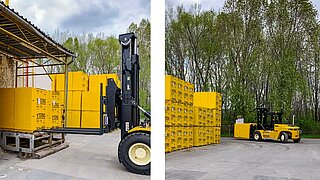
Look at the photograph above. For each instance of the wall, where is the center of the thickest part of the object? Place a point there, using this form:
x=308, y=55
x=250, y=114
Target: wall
x=7, y=72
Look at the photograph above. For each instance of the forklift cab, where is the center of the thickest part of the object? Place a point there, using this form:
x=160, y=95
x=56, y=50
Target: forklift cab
x=269, y=126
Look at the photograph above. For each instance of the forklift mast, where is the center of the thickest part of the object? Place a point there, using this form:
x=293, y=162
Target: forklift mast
x=129, y=115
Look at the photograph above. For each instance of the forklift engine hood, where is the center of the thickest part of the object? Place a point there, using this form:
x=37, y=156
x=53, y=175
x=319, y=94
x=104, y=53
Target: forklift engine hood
x=287, y=126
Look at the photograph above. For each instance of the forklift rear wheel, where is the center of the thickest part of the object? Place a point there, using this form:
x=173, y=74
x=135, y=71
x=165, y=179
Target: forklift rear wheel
x=135, y=153
x=297, y=140
x=284, y=137
x=257, y=136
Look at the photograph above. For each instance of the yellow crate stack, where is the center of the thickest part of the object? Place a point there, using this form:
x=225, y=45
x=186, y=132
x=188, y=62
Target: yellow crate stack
x=207, y=112
x=191, y=118
x=56, y=109
x=178, y=113
x=25, y=109
x=83, y=97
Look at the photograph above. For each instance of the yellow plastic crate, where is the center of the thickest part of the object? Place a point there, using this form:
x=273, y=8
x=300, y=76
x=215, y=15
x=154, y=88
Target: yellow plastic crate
x=168, y=107
x=168, y=113
x=90, y=119
x=180, y=90
x=94, y=83
x=191, y=92
x=74, y=99
x=185, y=92
x=96, y=80
x=171, y=88
x=90, y=100
x=199, y=116
x=77, y=81
x=173, y=138
x=49, y=121
x=167, y=139
x=179, y=120
x=179, y=143
x=208, y=100
x=168, y=120
x=198, y=136
x=217, y=116
x=217, y=135
x=73, y=119
x=24, y=109
x=7, y=107
x=53, y=82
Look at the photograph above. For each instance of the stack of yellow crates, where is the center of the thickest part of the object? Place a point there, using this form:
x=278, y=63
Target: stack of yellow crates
x=179, y=114
x=25, y=109
x=83, y=97
x=77, y=83
x=191, y=119
x=207, y=121
x=56, y=101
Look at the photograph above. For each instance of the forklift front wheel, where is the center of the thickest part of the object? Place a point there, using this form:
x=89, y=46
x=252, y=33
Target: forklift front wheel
x=284, y=137
x=257, y=136
x=135, y=153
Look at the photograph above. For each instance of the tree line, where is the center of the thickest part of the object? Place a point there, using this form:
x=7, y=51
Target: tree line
x=256, y=53
x=101, y=54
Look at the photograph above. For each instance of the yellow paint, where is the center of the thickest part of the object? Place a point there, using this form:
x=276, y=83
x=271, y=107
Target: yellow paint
x=171, y=87
x=138, y=128
x=242, y=130
x=7, y=106
x=208, y=100
x=91, y=101
x=73, y=120
x=90, y=119
x=77, y=81
x=95, y=81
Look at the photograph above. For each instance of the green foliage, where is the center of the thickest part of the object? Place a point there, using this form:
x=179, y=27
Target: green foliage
x=257, y=53
x=308, y=126
x=143, y=33
x=100, y=54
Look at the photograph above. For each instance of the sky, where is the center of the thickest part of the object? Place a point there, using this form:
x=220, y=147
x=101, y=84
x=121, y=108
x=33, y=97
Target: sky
x=111, y=17
x=215, y=4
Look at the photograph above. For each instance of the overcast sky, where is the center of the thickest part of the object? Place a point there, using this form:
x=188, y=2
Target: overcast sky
x=111, y=17
x=215, y=4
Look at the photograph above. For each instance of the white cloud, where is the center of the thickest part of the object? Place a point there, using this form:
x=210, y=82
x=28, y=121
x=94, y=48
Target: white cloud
x=83, y=16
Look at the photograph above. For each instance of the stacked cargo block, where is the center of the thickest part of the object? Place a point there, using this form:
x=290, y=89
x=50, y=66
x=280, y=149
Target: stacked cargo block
x=191, y=119
x=83, y=97
x=207, y=118
x=178, y=114
x=25, y=109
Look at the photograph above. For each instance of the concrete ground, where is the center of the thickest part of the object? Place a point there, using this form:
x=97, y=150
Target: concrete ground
x=247, y=160
x=87, y=157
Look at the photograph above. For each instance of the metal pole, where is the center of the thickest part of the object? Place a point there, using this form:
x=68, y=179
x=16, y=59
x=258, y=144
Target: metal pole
x=66, y=94
x=16, y=78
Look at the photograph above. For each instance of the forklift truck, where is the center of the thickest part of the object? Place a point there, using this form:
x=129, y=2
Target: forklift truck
x=120, y=109
x=268, y=127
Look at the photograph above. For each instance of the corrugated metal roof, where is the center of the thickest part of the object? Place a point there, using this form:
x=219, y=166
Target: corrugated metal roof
x=23, y=40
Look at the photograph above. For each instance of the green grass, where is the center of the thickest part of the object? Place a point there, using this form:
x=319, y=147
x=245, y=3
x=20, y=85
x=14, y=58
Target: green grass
x=226, y=135
x=313, y=136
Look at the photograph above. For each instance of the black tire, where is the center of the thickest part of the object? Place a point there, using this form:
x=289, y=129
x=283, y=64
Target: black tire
x=124, y=148
x=257, y=136
x=284, y=137
x=297, y=140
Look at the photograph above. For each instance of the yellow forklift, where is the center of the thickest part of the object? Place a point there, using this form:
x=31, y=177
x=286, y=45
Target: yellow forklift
x=120, y=109
x=268, y=127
